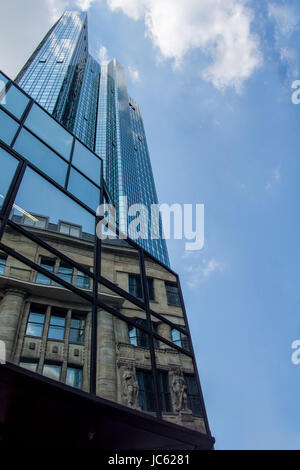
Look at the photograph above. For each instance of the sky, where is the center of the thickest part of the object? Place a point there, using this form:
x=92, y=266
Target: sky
x=214, y=80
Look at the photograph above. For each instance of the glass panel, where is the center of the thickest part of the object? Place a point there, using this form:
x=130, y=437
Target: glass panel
x=8, y=127
x=49, y=131
x=83, y=189
x=170, y=333
x=164, y=291
x=41, y=256
x=15, y=101
x=119, y=303
x=41, y=156
x=3, y=82
x=35, y=324
x=180, y=395
x=124, y=369
x=87, y=162
x=51, y=203
x=8, y=165
x=74, y=377
x=77, y=328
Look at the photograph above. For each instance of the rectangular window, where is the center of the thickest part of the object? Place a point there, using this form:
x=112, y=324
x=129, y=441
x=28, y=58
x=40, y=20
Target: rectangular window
x=163, y=384
x=8, y=165
x=3, y=260
x=138, y=337
x=71, y=230
x=36, y=321
x=74, y=377
x=57, y=324
x=150, y=282
x=77, y=328
x=135, y=285
x=146, y=395
x=193, y=395
x=180, y=339
x=65, y=272
x=172, y=294
x=8, y=128
x=29, y=365
x=15, y=101
x=46, y=263
x=82, y=280
x=53, y=371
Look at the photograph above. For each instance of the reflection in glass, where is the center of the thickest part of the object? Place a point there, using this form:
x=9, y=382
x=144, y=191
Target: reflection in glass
x=52, y=371
x=8, y=128
x=36, y=320
x=74, y=377
x=15, y=101
x=8, y=165
x=29, y=365
x=51, y=202
x=41, y=156
x=49, y=131
x=87, y=162
x=3, y=82
x=146, y=394
x=57, y=326
x=83, y=189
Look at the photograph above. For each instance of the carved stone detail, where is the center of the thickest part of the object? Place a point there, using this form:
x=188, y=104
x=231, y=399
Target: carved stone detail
x=178, y=391
x=129, y=386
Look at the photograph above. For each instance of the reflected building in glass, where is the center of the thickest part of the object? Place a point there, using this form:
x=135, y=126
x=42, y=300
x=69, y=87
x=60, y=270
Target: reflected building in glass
x=98, y=346
x=93, y=103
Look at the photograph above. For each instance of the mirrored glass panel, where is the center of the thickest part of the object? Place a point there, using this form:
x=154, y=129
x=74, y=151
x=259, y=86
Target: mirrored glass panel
x=124, y=372
x=41, y=156
x=15, y=101
x=178, y=387
x=8, y=165
x=46, y=328
x=50, y=131
x=114, y=300
x=170, y=333
x=48, y=260
x=38, y=199
x=3, y=82
x=83, y=189
x=87, y=162
x=8, y=128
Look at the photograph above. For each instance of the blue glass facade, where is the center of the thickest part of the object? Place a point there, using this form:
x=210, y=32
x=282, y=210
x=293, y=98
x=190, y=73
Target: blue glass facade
x=93, y=103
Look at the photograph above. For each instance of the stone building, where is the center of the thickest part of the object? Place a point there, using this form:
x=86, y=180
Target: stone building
x=48, y=329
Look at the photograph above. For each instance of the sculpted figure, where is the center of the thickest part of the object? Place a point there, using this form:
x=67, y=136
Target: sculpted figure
x=129, y=388
x=179, y=391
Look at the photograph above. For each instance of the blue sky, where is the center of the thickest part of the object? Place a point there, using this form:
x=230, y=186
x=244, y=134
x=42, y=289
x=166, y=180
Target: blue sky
x=213, y=79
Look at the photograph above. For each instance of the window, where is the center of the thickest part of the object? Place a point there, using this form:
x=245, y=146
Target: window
x=83, y=189
x=193, y=395
x=46, y=263
x=87, y=162
x=52, y=371
x=36, y=321
x=3, y=259
x=180, y=339
x=57, y=324
x=8, y=128
x=29, y=365
x=45, y=127
x=74, y=377
x=146, y=395
x=163, y=384
x=65, y=272
x=138, y=337
x=8, y=165
x=40, y=222
x=15, y=101
x=77, y=328
x=82, y=280
x=135, y=286
x=71, y=230
x=41, y=156
x=172, y=294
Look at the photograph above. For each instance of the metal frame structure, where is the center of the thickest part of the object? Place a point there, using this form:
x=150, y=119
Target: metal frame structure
x=96, y=274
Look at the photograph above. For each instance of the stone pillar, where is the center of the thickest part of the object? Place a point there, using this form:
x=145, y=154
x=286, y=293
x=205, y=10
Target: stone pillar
x=106, y=363
x=165, y=331
x=11, y=309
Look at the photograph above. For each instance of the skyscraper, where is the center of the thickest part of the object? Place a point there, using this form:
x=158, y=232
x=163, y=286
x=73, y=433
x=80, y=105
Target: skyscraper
x=93, y=103
x=95, y=346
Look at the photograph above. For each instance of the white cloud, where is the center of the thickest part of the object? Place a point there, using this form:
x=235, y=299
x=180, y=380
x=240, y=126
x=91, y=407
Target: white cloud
x=200, y=273
x=285, y=18
x=134, y=74
x=276, y=177
x=84, y=5
x=56, y=8
x=103, y=56
x=220, y=29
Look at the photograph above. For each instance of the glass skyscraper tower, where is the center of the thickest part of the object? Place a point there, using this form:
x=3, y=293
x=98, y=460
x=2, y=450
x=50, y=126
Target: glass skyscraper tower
x=93, y=103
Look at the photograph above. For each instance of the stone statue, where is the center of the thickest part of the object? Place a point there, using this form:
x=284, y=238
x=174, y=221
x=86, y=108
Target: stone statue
x=130, y=387
x=179, y=391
